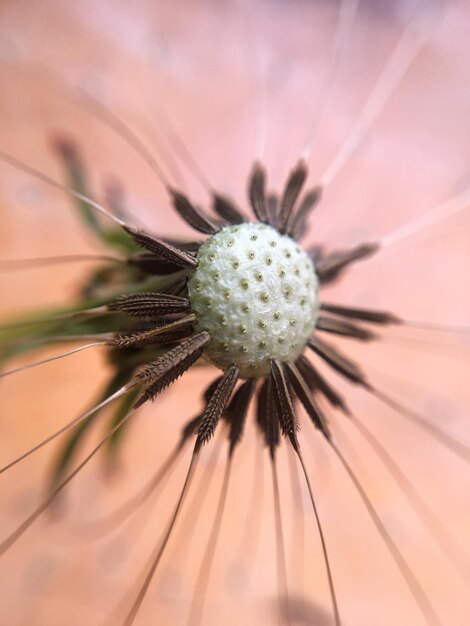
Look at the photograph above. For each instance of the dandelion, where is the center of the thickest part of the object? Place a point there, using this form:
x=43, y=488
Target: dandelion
x=251, y=300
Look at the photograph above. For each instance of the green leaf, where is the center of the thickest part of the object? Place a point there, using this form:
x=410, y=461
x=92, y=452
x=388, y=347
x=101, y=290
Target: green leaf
x=115, y=441
x=36, y=330
x=74, y=441
x=77, y=179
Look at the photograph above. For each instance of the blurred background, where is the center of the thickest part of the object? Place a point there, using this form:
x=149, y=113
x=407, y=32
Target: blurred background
x=216, y=71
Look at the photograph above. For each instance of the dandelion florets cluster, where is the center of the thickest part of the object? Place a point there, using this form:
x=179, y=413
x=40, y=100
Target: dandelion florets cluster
x=255, y=291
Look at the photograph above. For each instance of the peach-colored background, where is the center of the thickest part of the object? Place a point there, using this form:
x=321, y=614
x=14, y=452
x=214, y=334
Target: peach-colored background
x=199, y=63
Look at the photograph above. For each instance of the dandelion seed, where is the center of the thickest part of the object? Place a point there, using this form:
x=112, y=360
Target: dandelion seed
x=252, y=300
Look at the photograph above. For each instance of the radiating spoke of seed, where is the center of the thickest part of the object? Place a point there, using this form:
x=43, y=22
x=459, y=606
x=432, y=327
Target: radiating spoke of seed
x=163, y=250
x=49, y=359
x=191, y=214
x=227, y=209
x=430, y=218
x=77, y=420
x=123, y=130
x=326, y=558
x=338, y=51
x=92, y=312
x=180, y=149
x=454, y=552
x=157, y=375
x=31, y=171
x=257, y=191
x=289, y=427
x=412, y=582
x=338, y=361
x=452, y=443
x=130, y=618
x=281, y=565
x=22, y=528
x=298, y=224
x=301, y=390
x=169, y=370
x=152, y=371
x=293, y=187
x=298, y=515
x=150, y=304
x=167, y=332
x=272, y=209
x=166, y=336
x=283, y=402
x=237, y=410
x=405, y=52
x=209, y=390
x=249, y=541
x=316, y=382
x=365, y=315
x=196, y=508
x=113, y=520
x=344, y=329
x=9, y=265
x=176, y=288
x=216, y=406
x=153, y=264
x=183, y=244
x=328, y=268
x=100, y=527
x=267, y=416
x=199, y=595
x=353, y=373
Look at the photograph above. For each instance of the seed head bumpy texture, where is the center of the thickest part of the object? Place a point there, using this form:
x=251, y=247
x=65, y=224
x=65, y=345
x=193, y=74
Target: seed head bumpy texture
x=256, y=292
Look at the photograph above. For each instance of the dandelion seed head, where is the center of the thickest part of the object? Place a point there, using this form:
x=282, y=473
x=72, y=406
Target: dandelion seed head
x=277, y=282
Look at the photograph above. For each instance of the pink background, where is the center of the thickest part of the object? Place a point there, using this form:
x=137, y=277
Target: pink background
x=199, y=63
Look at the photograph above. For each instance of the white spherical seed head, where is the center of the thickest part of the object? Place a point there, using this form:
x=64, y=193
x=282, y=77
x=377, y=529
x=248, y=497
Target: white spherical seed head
x=256, y=293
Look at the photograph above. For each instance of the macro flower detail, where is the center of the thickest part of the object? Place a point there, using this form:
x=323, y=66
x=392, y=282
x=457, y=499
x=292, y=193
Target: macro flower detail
x=268, y=312
x=255, y=292
x=247, y=299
